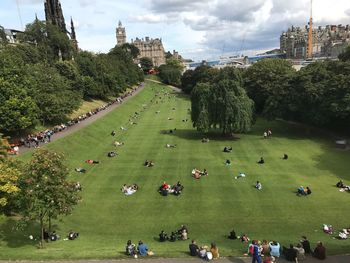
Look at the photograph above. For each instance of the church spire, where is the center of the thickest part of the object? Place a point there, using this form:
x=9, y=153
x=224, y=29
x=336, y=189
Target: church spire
x=54, y=14
x=73, y=36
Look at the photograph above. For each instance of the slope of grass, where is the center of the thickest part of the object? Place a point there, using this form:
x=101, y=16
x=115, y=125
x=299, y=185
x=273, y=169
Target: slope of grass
x=211, y=206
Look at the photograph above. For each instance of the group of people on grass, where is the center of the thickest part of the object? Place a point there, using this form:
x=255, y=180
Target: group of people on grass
x=129, y=190
x=196, y=173
x=204, y=251
x=180, y=234
x=53, y=236
x=272, y=250
x=166, y=189
x=140, y=250
x=343, y=187
x=267, y=134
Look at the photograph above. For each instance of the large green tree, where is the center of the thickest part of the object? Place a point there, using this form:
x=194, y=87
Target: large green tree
x=146, y=64
x=263, y=77
x=45, y=191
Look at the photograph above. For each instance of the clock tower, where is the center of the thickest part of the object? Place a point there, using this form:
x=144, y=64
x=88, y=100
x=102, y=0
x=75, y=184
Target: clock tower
x=121, y=35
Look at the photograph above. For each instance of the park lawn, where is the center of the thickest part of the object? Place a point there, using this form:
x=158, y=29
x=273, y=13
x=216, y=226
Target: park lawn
x=209, y=207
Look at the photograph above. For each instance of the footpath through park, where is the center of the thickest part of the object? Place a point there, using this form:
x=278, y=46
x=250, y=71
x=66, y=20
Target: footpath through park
x=71, y=129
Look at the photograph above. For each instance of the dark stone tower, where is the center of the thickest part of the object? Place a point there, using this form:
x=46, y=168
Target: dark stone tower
x=73, y=36
x=54, y=14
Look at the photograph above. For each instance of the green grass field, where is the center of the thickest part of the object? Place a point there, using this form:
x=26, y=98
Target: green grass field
x=211, y=206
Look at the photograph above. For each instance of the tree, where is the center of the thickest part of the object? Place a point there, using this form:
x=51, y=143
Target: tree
x=146, y=64
x=132, y=49
x=18, y=111
x=3, y=39
x=9, y=176
x=200, y=99
x=46, y=192
x=263, y=77
x=345, y=56
x=202, y=74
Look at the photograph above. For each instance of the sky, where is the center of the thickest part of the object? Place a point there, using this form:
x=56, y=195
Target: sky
x=197, y=29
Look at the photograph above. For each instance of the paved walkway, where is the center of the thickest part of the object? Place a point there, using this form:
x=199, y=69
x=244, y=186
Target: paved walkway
x=71, y=129
x=330, y=259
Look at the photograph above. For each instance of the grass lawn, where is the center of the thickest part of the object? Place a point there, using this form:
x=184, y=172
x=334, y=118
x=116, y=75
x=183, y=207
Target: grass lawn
x=209, y=207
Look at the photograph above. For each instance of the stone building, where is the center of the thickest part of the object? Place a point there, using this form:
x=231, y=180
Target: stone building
x=54, y=16
x=149, y=47
x=328, y=41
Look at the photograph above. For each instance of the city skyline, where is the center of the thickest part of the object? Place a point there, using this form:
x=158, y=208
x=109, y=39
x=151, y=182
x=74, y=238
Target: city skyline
x=198, y=29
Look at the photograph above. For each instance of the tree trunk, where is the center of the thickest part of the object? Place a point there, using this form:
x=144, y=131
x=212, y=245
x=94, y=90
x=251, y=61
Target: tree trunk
x=41, y=243
x=50, y=230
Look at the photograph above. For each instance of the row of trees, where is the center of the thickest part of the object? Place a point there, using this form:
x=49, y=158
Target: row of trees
x=38, y=190
x=43, y=79
x=318, y=94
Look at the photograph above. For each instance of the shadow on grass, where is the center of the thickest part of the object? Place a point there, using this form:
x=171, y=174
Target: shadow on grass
x=14, y=235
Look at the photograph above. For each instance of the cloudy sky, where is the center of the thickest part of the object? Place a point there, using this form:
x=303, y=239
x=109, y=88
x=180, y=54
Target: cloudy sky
x=198, y=29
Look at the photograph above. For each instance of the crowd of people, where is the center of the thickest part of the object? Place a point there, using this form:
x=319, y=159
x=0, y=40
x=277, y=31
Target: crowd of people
x=35, y=139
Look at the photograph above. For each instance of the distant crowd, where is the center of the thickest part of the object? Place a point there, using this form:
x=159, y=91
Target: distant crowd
x=34, y=140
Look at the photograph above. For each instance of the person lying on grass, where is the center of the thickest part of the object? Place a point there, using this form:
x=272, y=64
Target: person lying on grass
x=163, y=236
x=170, y=145
x=262, y=161
x=111, y=154
x=240, y=175
x=129, y=190
x=228, y=149
x=196, y=173
x=149, y=163
x=116, y=143
x=258, y=185
x=92, y=161
x=303, y=191
x=80, y=170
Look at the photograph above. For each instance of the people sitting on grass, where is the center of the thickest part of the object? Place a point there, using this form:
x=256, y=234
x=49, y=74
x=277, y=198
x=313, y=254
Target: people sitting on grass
x=262, y=161
x=285, y=156
x=202, y=253
x=228, y=149
x=303, y=191
x=123, y=128
x=142, y=249
x=92, y=161
x=214, y=250
x=343, y=187
x=129, y=190
x=130, y=249
x=320, y=251
x=149, y=163
x=78, y=187
x=205, y=140
x=170, y=145
x=265, y=248
x=290, y=253
x=258, y=185
x=240, y=175
x=306, y=244
x=275, y=248
x=113, y=133
x=163, y=236
x=54, y=236
x=72, y=235
x=194, y=249
x=232, y=235
x=184, y=235
x=111, y=154
x=344, y=233
x=300, y=252
x=80, y=170
x=328, y=229
x=173, y=237
x=227, y=162
x=116, y=143
x=196, y=173
x=244, y=238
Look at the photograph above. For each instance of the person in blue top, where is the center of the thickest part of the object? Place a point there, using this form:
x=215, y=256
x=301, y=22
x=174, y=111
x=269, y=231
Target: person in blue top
x=256, y=253
x=142, y=249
